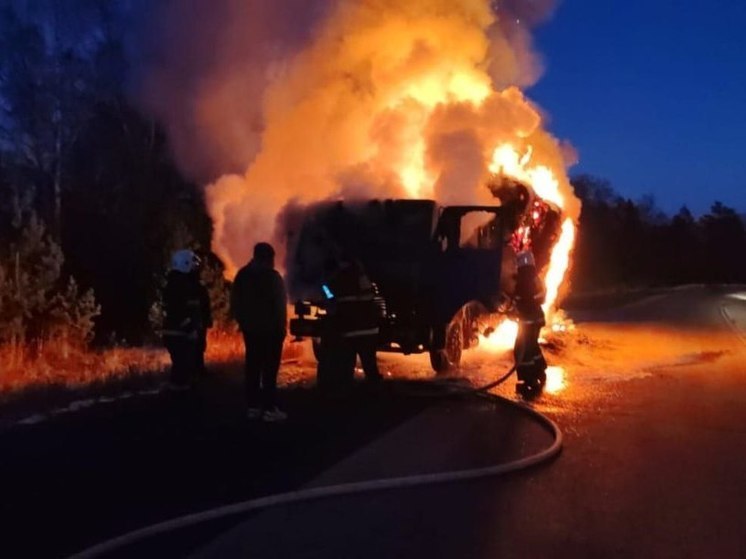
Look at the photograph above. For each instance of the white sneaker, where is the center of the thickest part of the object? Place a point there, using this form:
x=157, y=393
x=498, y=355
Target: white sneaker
x=254, y=413
x=274, y=415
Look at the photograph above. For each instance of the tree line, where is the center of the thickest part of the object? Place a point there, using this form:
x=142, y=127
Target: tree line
x=91, y=201
x=623, y=243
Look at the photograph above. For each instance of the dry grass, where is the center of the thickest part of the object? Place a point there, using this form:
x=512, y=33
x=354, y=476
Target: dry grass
x=57, y=364
x=227, y=347
x=223, y=347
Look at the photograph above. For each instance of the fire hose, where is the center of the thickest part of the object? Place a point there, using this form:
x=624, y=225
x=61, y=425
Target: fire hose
x=355, y=488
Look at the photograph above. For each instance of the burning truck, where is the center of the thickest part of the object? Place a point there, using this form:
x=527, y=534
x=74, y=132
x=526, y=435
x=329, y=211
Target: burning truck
x=443, y=274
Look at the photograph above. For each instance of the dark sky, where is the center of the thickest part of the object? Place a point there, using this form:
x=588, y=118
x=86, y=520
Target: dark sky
x=653, y=95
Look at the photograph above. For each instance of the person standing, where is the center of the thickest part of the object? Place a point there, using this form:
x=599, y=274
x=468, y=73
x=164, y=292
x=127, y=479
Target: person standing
x=187, y=318
x=529, y=296
x=353, y=319
x=259, y=305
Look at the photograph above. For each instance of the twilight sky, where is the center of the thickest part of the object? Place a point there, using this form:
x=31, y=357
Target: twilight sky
x=652, y=93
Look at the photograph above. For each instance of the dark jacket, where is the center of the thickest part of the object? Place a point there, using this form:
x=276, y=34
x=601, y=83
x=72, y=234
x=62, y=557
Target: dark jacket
x=259, y=300
x=186, y=305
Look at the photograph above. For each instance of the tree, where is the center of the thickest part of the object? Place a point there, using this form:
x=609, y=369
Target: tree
x=38, y=304
x=724, y=244
x=684, y=252
x=129, y=192
x=595, y=191
x=47, y=81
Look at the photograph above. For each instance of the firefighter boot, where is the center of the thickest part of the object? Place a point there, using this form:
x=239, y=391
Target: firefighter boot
x=531, y=379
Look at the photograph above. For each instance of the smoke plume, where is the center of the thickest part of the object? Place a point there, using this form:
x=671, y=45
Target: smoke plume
x=296, y=101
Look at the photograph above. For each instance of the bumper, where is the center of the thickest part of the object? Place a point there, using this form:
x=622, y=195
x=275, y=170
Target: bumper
x=305, y=328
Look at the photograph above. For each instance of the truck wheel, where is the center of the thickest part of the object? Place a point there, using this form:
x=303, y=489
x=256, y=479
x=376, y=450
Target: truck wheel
x=449, y=358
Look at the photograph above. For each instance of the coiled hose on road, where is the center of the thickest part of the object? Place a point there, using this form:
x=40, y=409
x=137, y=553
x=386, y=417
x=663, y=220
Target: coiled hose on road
x=316, y=493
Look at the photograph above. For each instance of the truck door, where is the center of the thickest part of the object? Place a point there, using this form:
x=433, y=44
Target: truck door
x=468, y=262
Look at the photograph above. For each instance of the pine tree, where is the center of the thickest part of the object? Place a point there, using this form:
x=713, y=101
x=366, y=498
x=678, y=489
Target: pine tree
x=37, y=304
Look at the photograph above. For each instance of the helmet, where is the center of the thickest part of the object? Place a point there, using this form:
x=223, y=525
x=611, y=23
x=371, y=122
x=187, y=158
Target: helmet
x=184, y=261
x=525, y=258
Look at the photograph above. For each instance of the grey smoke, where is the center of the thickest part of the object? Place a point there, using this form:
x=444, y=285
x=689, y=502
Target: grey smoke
x=201, y=68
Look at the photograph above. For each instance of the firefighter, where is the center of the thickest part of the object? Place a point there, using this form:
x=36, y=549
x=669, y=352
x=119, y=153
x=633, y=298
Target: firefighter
x=529, y=296
x=352, y=325
x=187, y=318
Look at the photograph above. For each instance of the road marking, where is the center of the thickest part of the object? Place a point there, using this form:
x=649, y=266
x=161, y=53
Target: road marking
x=60, y=411
x=81, y=404
x=33, y=419
x=85, y=403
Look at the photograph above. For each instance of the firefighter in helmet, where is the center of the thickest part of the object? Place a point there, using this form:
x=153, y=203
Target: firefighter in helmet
x=187, y=318
x=529, y=296
x=352, y=325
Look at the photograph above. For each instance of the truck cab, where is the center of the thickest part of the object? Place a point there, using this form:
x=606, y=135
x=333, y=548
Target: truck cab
x=437, y=269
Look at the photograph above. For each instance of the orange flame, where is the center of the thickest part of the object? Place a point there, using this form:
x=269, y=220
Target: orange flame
x=555, y=380
x=507, y=161
x=502, y=339
x=558, y=265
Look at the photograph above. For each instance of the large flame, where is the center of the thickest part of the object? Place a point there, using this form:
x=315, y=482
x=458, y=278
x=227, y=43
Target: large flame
x=329, y=99
x=398, y=99
x=393, y=99
x=388, y=98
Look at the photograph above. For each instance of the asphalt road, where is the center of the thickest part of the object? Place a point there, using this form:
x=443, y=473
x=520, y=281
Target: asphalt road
x=78, y=478
x=94, y=472
x=653, y=464
x=652, y=467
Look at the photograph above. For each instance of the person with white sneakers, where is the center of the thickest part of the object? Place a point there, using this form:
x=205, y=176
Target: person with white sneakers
x=259, y=305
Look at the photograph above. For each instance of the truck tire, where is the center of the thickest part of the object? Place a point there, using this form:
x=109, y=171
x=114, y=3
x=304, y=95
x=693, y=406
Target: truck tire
x=470, y=327
x=449, y=358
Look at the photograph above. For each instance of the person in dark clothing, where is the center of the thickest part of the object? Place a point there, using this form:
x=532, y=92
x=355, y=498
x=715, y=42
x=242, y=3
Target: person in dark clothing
x=529, y=296
x=187, y=318
x=352, y=326
x=259, y=305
